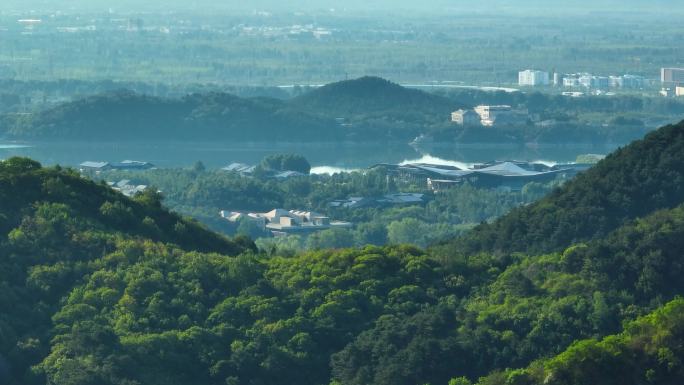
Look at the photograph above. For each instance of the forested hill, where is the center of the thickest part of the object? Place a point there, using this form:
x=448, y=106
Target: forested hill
x=126, y=116
x=371, y=95
x=145, y=313
x=632, y=182
x=370, y=108
x=27, y=188
x=94, y=292
x=647, y=352
x=54, y=227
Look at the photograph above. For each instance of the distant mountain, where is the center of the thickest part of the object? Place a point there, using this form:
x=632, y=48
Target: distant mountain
x=376, y=107
x=125, y=115
x=369, y=107
x=371, y=95
x=632, y=182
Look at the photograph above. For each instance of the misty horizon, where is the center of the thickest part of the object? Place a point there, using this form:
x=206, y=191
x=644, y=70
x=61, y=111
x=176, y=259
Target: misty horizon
x=430, y=6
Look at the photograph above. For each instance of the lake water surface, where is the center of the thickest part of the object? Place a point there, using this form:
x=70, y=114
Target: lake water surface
x=324, y=157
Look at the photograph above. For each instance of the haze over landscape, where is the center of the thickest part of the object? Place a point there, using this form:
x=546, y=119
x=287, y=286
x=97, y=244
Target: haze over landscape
x=432, y=6
x=438, y=192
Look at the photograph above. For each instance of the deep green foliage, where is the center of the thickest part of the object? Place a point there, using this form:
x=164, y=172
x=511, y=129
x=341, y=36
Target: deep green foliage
x=91, y=298
x=649, y=351
x=25, y=186
x=643, y=177
x=285, y=162
x=53, y=224
x=146, y=313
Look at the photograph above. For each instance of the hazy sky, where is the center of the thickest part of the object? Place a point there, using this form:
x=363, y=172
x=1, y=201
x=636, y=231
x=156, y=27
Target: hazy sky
x=358, y=5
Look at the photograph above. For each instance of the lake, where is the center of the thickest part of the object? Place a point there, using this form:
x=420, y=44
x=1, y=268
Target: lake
x=324, y=157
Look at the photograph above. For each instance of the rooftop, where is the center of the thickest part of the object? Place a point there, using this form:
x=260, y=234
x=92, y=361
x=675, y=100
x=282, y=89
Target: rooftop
x=91, y=164
x=239, y=167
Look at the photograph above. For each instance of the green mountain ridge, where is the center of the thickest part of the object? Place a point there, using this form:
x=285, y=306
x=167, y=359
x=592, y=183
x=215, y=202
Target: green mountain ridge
x=367, y=108
x=376, y=108
x=647, y=352
x=128, y=116
x=377, y=95
x=25, y=185
x=640, y=178
x=101, y=289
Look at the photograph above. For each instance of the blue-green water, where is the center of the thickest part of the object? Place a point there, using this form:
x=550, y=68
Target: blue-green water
x=327, y=156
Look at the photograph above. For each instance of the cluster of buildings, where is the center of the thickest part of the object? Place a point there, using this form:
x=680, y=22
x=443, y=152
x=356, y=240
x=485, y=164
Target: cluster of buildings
x=282, y=222
x=535, y=78
x=589, y=81
x=90, y=166
x=672, y=80
x=296, y=31
x=488, y=116
x=507, y=175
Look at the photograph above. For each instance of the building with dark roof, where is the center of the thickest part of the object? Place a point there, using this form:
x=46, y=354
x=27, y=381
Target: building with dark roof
x=491, y=175
x=132, y=165
x=94, y=166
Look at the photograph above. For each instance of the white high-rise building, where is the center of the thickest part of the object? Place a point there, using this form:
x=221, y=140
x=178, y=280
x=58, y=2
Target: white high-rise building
x=532, y=78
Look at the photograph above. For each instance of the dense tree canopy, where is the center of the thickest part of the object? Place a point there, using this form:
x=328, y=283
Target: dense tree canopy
x=368, y=108
x=285, y=162
x=101, y=289
x=645, y=176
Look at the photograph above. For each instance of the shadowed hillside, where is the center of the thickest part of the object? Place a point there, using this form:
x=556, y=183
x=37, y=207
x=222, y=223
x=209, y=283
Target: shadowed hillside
x=634, y=181
x=370, y=108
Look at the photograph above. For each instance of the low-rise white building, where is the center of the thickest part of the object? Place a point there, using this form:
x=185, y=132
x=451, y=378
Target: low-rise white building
x=679, y=91
x=589, y=81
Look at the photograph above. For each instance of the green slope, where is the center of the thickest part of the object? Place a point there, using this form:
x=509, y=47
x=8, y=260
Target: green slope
x=128, y=116
x=374, y=108
x=150, y=314
x=100, y=289
x=649, y=351
x=371, y=107
x=25, y=187
x=53, y=225
x=371, y=95
x=640, y=178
